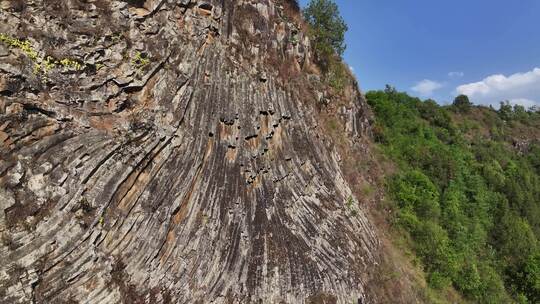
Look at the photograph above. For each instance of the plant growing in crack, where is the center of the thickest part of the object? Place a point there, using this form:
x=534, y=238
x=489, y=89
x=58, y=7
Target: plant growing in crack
x=116, y=37
x=140, y=60
x=48, y=64
x=42, y=65
x=71, y=64
x=350, y=205
x=25, y=46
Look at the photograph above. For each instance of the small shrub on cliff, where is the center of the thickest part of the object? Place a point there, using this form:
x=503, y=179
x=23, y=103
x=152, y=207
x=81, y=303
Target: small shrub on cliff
x=140, y=61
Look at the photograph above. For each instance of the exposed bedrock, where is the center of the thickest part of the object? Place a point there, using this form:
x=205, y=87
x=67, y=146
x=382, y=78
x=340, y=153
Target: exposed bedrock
x=167, y=152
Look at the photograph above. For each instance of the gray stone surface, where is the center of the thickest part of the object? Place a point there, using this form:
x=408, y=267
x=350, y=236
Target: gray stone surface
x=182, y=163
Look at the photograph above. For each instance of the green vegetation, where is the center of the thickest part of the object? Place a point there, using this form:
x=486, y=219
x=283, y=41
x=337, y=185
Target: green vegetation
x=469, y=201
x=327, y=26
x=327, y=29
x=44, y=64
x=462, y=103
x=350, y=205
x=24, y=46
x=70, y=64
x=140, y=60
x=41, y=64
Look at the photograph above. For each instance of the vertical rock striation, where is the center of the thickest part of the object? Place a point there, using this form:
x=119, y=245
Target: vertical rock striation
x=167, y=151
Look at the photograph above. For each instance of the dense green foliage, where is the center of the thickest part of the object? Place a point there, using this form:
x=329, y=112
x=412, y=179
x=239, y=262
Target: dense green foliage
x=327, y=26
x=467, y=197
x=462, y=103
x=327, y=30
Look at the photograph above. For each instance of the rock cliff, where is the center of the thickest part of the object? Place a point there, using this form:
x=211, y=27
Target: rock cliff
x=166, y=151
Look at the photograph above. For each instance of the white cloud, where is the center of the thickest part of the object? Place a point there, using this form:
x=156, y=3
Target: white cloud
x=527, y=103
x=426, y=87
x=519, y=88
x=456, y=74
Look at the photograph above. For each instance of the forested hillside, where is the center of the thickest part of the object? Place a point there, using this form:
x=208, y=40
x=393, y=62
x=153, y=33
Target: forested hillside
x=466, y=192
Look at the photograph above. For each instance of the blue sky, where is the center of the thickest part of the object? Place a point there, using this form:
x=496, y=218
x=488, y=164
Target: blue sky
x=489, y=49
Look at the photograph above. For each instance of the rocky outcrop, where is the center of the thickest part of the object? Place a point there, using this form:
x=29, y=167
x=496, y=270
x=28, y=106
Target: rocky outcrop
x=169, y=152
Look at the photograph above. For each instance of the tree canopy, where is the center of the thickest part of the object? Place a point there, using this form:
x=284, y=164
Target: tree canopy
x=462, y=103
x=327, y=27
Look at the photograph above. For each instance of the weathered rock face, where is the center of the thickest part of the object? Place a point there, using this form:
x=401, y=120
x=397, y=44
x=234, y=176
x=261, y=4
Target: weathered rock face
x=169, y=152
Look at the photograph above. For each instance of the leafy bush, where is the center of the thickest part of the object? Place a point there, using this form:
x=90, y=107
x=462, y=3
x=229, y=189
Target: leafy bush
x=415, y=191
x=337, y=76
x=462, y=103
x=506, y=111
x=530, y=285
